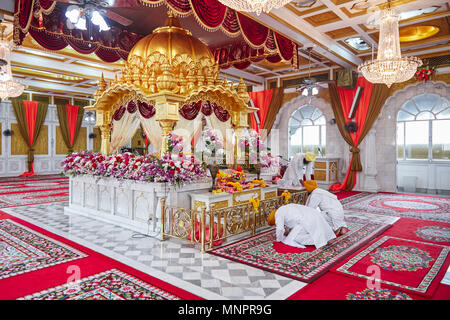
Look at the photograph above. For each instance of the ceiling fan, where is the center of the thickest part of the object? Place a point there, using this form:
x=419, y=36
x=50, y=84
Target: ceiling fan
x=310, y=86
x=79, y=12
x=304, y=3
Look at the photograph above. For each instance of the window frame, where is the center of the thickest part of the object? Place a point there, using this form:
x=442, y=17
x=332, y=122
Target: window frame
x=301, y=127
x=430, y=158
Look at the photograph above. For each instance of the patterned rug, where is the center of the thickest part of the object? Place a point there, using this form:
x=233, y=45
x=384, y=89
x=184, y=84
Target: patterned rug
x=109, y=285
x=34, y=197
x=434, y=208
x=262, y=251
x=32, y=178
x=38, y=265
x=421, y=230
x=24, y=250
x=333, y=286
x=17, y=187
x=405, y=265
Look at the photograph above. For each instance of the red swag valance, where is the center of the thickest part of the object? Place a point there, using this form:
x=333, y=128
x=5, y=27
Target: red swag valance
x=43, y=20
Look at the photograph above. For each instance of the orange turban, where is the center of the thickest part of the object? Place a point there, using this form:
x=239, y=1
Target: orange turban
x=271, y=218
x=310, y=185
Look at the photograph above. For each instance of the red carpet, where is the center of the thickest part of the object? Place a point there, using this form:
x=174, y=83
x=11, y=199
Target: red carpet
x=262, y=251
x=421, y=230
x=425, y=207
x=34, y=261
x=406, y=265
x=345, y=194
x=30, y=178
x=332, y=286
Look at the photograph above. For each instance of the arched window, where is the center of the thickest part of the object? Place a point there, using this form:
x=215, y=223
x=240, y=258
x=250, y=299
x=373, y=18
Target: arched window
x=307, y=131
x=423, y=129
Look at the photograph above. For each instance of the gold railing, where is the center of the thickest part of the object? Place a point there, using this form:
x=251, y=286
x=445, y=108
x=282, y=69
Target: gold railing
x=195, y=225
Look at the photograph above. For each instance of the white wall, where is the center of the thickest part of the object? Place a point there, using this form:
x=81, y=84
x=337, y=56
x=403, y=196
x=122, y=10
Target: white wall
x=13, y=165
x=433, y=176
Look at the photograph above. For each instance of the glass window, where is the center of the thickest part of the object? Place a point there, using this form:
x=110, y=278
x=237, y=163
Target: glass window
x=307, y=131
x=423, y=129
x=416, y=139
x=441, y=139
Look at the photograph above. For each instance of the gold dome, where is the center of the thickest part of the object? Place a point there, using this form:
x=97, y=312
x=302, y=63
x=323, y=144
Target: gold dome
x=171, y=40
x=170, y=59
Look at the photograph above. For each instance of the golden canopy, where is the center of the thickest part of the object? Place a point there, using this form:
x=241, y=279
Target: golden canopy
x=168, y=69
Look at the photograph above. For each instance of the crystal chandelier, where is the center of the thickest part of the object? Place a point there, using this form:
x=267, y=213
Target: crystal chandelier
x=8, y=87
x=389, y=67
x=254, y=5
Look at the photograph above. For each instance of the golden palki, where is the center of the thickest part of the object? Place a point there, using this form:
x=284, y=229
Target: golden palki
x=389, y=67
x=168, y=69
x=254, y=5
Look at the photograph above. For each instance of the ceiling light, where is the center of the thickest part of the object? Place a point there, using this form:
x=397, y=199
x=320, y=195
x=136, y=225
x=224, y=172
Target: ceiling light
x=357, y=43
x=8, y=87
x=389, y=67
x=254, y=5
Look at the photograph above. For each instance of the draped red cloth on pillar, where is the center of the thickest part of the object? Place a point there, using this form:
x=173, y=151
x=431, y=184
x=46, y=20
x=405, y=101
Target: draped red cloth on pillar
x=72, y=118
x=30, y=115
x=346, y=99
x=261, y=100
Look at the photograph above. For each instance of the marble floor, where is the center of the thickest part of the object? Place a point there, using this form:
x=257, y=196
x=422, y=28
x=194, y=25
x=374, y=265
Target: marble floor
x=180, y=264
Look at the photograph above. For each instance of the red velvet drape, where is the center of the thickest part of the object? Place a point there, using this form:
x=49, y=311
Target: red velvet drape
x=30, y=116
x=346, y=99
x=261, y=100
x=72, y=118
x=30, y=113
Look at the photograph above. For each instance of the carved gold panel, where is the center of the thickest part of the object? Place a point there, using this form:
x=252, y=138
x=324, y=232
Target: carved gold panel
x=198, y=205
x=320, y=175
x=320, y=165
x=270, y=195
x=243, y=193
x=220, y=204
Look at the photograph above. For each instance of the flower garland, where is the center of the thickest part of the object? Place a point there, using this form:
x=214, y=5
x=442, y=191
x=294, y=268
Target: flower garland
x=425, y=73
x=173, y=169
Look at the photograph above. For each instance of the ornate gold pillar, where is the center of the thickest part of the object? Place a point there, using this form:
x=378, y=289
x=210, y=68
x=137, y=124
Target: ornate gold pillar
x=167, y=105
x=103, y=122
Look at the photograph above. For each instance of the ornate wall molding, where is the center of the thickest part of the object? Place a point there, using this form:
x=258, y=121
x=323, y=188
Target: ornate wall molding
x=335, y=145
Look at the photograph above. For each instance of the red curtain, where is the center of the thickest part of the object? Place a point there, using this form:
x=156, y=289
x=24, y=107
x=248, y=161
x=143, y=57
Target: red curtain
x=261, y=100
x=72, y=118
x=346, y=99
x=30, y=114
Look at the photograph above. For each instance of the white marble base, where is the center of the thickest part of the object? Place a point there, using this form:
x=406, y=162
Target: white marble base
x=130, y=204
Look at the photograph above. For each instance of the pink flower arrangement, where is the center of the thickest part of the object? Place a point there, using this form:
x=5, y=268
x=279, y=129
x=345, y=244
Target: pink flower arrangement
x=174, y=169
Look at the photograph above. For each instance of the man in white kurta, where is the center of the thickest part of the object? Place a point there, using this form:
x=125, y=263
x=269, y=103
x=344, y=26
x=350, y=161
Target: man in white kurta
x=294, y=171
x=328, y=204
x=305, y=226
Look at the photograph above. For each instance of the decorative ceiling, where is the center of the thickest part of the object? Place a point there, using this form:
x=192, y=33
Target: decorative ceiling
x=341, y=36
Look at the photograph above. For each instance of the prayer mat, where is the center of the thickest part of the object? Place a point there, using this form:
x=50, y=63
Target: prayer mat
x=421, y=230
x=16, y=187
x=30, y=178
x=25, y=250
x=262, y=251
x=406, y=265
x=434, y=208
x=34, y=197
x=333, y=286
x=37, y=264
x=109, y=285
